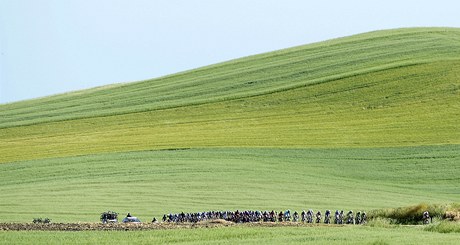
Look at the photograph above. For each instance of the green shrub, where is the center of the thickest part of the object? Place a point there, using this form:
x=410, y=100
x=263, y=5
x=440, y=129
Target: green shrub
x=409, y=215
x=41, y=221
x=453, y=212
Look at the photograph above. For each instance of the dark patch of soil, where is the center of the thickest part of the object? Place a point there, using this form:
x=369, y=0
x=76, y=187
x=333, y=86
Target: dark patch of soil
x=140, y=226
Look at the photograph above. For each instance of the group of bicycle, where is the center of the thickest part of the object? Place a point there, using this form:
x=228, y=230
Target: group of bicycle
x=257, y=216
x=268, y=216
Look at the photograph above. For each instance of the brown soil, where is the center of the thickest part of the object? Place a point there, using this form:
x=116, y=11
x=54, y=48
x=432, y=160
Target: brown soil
x=136, y=227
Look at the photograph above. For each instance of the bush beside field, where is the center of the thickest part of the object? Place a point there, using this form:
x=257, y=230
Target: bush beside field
x=413, y=214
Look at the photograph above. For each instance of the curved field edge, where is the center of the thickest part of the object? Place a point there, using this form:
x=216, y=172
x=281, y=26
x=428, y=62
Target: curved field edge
x=235, y=235
x=405, y=106
x=153, y=183
x=251, y=76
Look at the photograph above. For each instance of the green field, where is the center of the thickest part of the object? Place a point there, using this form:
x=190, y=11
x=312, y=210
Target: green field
x=238, y=235
x=389, y=88
x=157, y=182
x=362, y=122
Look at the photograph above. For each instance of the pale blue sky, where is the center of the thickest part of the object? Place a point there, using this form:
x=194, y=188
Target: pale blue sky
x=56, y=46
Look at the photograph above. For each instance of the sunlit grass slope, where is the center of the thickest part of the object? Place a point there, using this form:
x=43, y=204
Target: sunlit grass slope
x=280, y=70
x=386, y=88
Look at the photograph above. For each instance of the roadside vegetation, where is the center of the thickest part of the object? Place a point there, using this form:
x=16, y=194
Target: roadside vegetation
x=411, y=215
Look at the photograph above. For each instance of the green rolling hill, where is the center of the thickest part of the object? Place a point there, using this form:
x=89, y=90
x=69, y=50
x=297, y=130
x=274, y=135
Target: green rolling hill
x=387, y=88
x=365, y=121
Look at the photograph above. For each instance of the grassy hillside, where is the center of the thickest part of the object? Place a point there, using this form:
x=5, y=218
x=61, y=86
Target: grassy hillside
x=362, y=122
x=249, y=76
x=387, y=88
